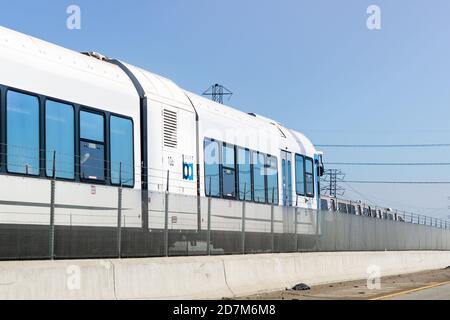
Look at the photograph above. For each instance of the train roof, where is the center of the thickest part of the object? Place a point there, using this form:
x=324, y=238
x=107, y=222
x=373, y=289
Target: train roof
x=100, y=83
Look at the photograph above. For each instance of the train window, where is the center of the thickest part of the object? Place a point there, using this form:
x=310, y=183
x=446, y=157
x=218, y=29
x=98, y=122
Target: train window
x=289, y=183
x=272, y=179
x=228, y=171
x=299, y=175
x=245, y=180
x=366, y=211
x=122, y=166
x=259, y=185
x=342, y=207
x=91, y=126
x=22, y=121
x=351, y=209
x=92, y=146
x=323, y=205
x=309, y=177
x=212, y=168
x=59, y=139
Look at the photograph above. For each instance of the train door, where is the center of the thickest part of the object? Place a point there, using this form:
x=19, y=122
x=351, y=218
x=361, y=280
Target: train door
x=286, y=178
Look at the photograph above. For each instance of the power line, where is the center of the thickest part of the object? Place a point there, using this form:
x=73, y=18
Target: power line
x=395, y=182
x=408, y=205
x=389, y=163
x=425, y=145
x=360, y=194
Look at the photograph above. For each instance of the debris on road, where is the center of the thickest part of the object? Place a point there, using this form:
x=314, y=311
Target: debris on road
x=301, y=287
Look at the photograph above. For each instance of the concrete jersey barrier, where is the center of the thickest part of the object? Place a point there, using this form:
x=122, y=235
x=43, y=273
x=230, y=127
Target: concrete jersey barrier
x=212, y=277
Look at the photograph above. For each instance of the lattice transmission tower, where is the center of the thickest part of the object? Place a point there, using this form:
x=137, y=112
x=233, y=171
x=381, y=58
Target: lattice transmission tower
x=216, y=92
x=329, y=184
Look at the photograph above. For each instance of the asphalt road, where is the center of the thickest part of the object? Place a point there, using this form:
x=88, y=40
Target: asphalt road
x=436, y=292
x=426, y=285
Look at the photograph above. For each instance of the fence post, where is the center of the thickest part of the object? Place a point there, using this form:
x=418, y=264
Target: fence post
x=296, y=222
x=119, y=214
x=296, y=228
x=243, y=222
x=208, y=232
x=272, y=233
x=52, y=209
x=166, y=218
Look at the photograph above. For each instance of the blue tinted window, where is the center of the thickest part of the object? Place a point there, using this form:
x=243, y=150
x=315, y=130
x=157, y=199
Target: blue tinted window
x=22, y=112
x=92, y=161
x=92, y=152
x=283, y=170
x=259, y=187
x=228, y=172
x=244, y=171
x=228, y=156
x=59, y=139
x=229, y=183
x=289, y=178
x=299, y=174
x=309, y=177
x=212, y=169
x=122, y=151
x=272, y=179
x=91, y=126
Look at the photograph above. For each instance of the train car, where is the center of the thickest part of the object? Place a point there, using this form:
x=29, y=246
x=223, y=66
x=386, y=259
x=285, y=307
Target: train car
x=358, y=208
x=341, y=205
x=76, y=126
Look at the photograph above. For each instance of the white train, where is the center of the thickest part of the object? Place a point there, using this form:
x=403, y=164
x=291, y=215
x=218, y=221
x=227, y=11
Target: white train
x=359, y=208
x=95, y=123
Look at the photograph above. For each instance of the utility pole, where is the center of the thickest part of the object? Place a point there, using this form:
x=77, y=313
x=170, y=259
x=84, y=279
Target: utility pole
x=330, y=181
x=217, y=92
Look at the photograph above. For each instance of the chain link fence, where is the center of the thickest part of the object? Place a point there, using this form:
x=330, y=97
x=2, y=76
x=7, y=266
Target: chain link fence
x=109, y=224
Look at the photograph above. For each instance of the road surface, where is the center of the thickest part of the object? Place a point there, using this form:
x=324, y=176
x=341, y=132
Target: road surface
x=439, y=291
x=428, y=285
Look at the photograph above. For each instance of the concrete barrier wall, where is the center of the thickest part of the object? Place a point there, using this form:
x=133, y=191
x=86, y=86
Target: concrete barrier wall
x=171, y=278
x=201, y=277
x=47, y=280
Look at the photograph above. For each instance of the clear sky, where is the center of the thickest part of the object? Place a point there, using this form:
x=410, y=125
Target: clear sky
x=313, y=65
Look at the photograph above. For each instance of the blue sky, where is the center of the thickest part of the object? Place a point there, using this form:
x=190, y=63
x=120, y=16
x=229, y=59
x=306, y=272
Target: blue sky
x=312, y=65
